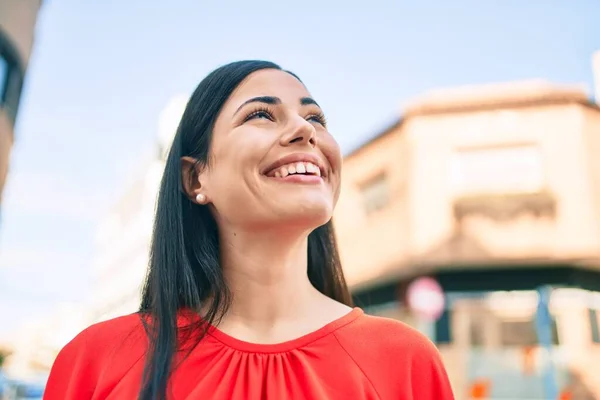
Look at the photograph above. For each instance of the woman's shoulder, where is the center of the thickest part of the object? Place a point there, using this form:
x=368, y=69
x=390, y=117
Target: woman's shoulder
x=387, y=335
x=113, y=345
x=108, y=334
x=393, y=354
x=96, y=343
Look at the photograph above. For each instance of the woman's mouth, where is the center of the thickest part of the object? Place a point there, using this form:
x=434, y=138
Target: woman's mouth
x=297, y=172
x=306, y=168
x=296, y=168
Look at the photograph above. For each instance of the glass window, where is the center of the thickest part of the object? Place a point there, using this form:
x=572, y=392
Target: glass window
x=518, y=333
x=12, y=95
x=523, y=333
x=595, y=323
x=442, y=328
x=3, y=77
x=511, y=332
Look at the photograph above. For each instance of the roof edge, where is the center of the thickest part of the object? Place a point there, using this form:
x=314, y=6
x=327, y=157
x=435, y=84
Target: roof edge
x=395, y=124
x=474, y=98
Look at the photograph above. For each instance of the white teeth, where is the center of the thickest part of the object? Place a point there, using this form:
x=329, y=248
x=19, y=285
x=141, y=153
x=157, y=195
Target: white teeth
x=313, y=169
x=297, y=168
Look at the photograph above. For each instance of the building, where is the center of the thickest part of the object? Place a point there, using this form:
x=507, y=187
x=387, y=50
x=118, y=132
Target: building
x=35, y=345
x=122, y=244
x=123, y=237
x=17, y=25
x=494, y=191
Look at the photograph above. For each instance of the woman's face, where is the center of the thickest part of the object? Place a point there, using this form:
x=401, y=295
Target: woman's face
x=272, y=159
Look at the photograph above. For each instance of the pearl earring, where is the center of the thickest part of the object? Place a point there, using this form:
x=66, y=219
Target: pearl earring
x=200, y=198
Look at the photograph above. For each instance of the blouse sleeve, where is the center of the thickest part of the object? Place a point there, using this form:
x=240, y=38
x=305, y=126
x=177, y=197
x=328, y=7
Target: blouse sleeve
x=430, y=380
x=71, y=376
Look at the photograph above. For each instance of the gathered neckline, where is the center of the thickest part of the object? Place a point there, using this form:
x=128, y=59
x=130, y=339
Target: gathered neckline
x=250, y=347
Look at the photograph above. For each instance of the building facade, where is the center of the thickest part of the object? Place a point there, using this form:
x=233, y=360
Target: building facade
x=123, y=237
x=494, y=191
x=122, y=245
x=504, y=175
x=17, y=26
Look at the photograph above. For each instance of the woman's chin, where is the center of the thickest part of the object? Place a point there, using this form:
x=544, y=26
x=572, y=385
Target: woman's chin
x=305, y=216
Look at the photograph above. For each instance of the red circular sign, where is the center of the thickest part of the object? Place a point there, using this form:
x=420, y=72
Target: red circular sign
x=426, y=298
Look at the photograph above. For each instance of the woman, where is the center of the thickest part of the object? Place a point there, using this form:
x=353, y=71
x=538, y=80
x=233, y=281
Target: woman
x=245, y=296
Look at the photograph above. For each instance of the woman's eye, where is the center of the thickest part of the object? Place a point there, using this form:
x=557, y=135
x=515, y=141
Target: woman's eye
x=319, y=119
x=260, y=115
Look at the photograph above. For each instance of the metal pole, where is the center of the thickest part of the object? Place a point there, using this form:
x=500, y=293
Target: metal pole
x=544, y=334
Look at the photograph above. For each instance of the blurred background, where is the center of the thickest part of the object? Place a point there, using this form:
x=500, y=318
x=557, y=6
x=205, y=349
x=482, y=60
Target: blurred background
x=471, y=197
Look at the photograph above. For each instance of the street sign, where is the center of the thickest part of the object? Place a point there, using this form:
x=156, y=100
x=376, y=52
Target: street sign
x=426, y=298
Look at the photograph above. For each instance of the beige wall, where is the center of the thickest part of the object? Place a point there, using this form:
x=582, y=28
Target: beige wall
x=384, y=233
x=17, y=23
x=432, y=165
x=557, y=131
x=591, y=142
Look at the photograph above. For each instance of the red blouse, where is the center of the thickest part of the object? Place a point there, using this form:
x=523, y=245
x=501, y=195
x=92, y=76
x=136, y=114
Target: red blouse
x=356, y=357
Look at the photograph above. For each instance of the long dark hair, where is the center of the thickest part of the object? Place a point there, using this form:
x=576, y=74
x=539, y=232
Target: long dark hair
x=184, y=270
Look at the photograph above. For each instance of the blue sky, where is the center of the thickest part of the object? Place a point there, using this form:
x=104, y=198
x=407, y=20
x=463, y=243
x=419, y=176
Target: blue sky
x=102, y=71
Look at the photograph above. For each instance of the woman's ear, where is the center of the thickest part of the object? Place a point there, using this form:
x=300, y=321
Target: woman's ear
x=191, y=184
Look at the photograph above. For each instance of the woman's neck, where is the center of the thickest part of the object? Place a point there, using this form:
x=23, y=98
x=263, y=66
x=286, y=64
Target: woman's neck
x=273, y=299
x=267, y=275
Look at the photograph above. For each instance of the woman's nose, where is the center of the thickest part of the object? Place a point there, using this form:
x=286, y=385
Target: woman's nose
x=302, y=132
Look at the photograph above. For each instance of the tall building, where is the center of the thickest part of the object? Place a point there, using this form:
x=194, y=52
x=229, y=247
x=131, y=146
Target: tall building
x=123, y=237
x=17, y=26
x=493, y=192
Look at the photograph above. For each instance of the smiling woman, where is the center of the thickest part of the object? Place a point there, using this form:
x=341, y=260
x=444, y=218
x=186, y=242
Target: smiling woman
x=245, y=296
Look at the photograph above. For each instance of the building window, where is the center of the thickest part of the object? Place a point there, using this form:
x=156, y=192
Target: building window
x=476, y=332
x=3, y=76
x=504, y=169
x=11, y=78
x=443, y=334
x=595, y=325
x=513, y=332
x=518, y=333
x=375, y=193
x=12, y=93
